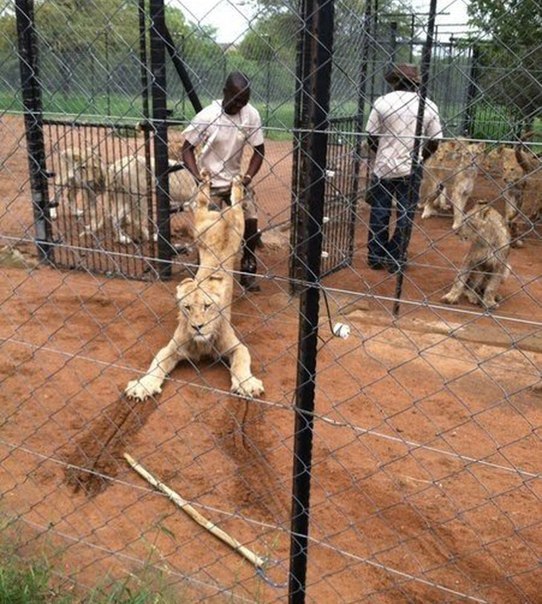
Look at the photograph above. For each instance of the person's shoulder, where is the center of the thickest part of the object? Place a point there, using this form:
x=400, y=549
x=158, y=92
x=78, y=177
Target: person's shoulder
x=251, y=110
x=432, y=105
x=387, y=100
x=213, y=108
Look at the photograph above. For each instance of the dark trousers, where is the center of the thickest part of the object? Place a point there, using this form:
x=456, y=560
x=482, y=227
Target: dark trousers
x=382, y=191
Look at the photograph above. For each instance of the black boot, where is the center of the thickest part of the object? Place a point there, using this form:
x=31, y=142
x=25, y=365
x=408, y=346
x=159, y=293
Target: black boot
x=248, y=261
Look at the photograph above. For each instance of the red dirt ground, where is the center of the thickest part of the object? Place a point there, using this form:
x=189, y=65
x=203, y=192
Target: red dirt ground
x=426, y=474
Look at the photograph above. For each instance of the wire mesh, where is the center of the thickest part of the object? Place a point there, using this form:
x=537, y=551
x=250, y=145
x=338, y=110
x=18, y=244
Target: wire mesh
x=425, y=466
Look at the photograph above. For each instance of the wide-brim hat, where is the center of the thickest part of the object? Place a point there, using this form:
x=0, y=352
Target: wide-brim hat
x=403, y=71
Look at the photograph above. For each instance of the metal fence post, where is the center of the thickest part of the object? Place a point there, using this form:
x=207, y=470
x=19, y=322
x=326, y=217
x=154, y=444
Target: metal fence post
x=159, y=117
x=318, y=16
x=33, y=119
x=414, y=179
x=472, y=92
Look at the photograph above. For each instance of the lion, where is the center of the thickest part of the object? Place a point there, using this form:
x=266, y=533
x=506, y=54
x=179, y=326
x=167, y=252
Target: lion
x=449, y=178
x=204, y=330
x=218, y=234
x=529, y=205
x=128, y=194
x=486, y=264
x=81, y=170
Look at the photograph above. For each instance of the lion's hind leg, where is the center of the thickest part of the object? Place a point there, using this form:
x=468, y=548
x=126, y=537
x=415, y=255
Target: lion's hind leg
x=237, y=191
x=460, y=285
x=476, y=285
x=203, y=197
x=490, y=298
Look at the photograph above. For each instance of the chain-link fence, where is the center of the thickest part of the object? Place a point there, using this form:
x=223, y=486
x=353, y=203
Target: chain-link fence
x=337, y=401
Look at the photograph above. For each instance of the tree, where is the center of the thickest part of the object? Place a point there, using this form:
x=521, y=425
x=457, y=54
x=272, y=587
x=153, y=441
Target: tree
x=512, y=57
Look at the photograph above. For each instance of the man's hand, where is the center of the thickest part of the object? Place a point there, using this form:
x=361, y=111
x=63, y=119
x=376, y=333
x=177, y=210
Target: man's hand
x=247, y=180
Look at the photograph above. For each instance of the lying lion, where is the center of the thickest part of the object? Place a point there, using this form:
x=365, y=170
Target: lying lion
x=81, y=170
x=204, y=328
x=485, y=266
x=126, y=199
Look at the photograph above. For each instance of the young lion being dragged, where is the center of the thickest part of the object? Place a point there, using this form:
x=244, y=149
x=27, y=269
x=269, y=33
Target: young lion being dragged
x=218, y=234
x=204, y=328
x=485, y=266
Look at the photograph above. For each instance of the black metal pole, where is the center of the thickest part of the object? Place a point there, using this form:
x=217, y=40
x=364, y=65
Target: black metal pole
x=33, y=120
x=472, y=92
x=107, y=72
x=393, y=41
x=360, y=119
x=144, y=67
x=178, y=63
x=301, y=107
x=414, y=183
x=364, y=61
x=319, y=15
x=159, y=118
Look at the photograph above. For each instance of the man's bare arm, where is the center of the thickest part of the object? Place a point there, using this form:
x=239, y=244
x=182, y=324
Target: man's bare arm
x=254, y=164
x=188, y=157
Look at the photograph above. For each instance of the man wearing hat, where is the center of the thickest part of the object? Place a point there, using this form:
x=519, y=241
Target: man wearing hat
x=391, y=128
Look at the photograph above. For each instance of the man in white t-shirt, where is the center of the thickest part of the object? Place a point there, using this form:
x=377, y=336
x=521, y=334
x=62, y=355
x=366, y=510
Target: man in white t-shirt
x=221, y=131
x=392, y=128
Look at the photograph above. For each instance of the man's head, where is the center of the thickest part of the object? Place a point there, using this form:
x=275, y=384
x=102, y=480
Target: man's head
x=403, y=77
x=236, y=93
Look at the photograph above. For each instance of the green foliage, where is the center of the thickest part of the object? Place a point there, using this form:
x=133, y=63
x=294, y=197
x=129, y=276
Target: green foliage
x=24, y=583
x=508, y=21
x=511, y=60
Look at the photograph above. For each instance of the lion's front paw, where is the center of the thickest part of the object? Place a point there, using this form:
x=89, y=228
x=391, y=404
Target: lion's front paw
x=449, y=299
x=472, y=297
x=249, y=388
x=142, y=389
x=490, y=302
x=123, y=239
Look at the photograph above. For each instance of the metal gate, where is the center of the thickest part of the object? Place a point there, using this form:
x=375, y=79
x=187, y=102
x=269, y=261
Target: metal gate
x=100, y=190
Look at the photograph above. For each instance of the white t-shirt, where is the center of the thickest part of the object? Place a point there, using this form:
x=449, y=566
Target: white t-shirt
x=393, y=118
x=222, y=138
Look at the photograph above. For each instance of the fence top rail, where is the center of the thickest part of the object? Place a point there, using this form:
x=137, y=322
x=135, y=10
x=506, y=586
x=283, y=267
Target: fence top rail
x=90, y=124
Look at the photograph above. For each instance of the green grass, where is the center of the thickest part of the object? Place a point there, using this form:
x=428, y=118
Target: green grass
x=491, y=122
x=30, y=578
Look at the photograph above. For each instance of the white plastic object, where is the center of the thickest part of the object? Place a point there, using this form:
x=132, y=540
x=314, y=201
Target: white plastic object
x=341, y=330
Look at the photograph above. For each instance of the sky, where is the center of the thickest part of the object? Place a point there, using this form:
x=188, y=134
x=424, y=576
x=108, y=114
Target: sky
x=231, y=18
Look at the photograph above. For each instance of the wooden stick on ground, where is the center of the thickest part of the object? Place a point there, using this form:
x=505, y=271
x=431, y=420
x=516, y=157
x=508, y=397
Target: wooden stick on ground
x=194, y=514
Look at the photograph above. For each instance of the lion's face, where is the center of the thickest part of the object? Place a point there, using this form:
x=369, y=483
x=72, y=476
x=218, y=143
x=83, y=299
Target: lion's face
x=201, y=309
x=510, y=169
x=473, y=223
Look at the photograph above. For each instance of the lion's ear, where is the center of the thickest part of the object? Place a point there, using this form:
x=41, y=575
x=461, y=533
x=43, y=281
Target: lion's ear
x=184, y=287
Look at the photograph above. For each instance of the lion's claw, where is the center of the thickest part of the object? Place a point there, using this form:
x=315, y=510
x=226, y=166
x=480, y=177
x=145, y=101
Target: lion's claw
x=140, y=390
x=248, y=388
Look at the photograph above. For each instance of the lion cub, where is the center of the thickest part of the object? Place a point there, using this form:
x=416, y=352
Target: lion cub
x=485, y=266
x=449, y=178
x=529, y=205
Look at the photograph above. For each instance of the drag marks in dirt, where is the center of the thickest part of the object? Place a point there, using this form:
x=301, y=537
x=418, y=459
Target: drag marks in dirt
x=98, y=454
